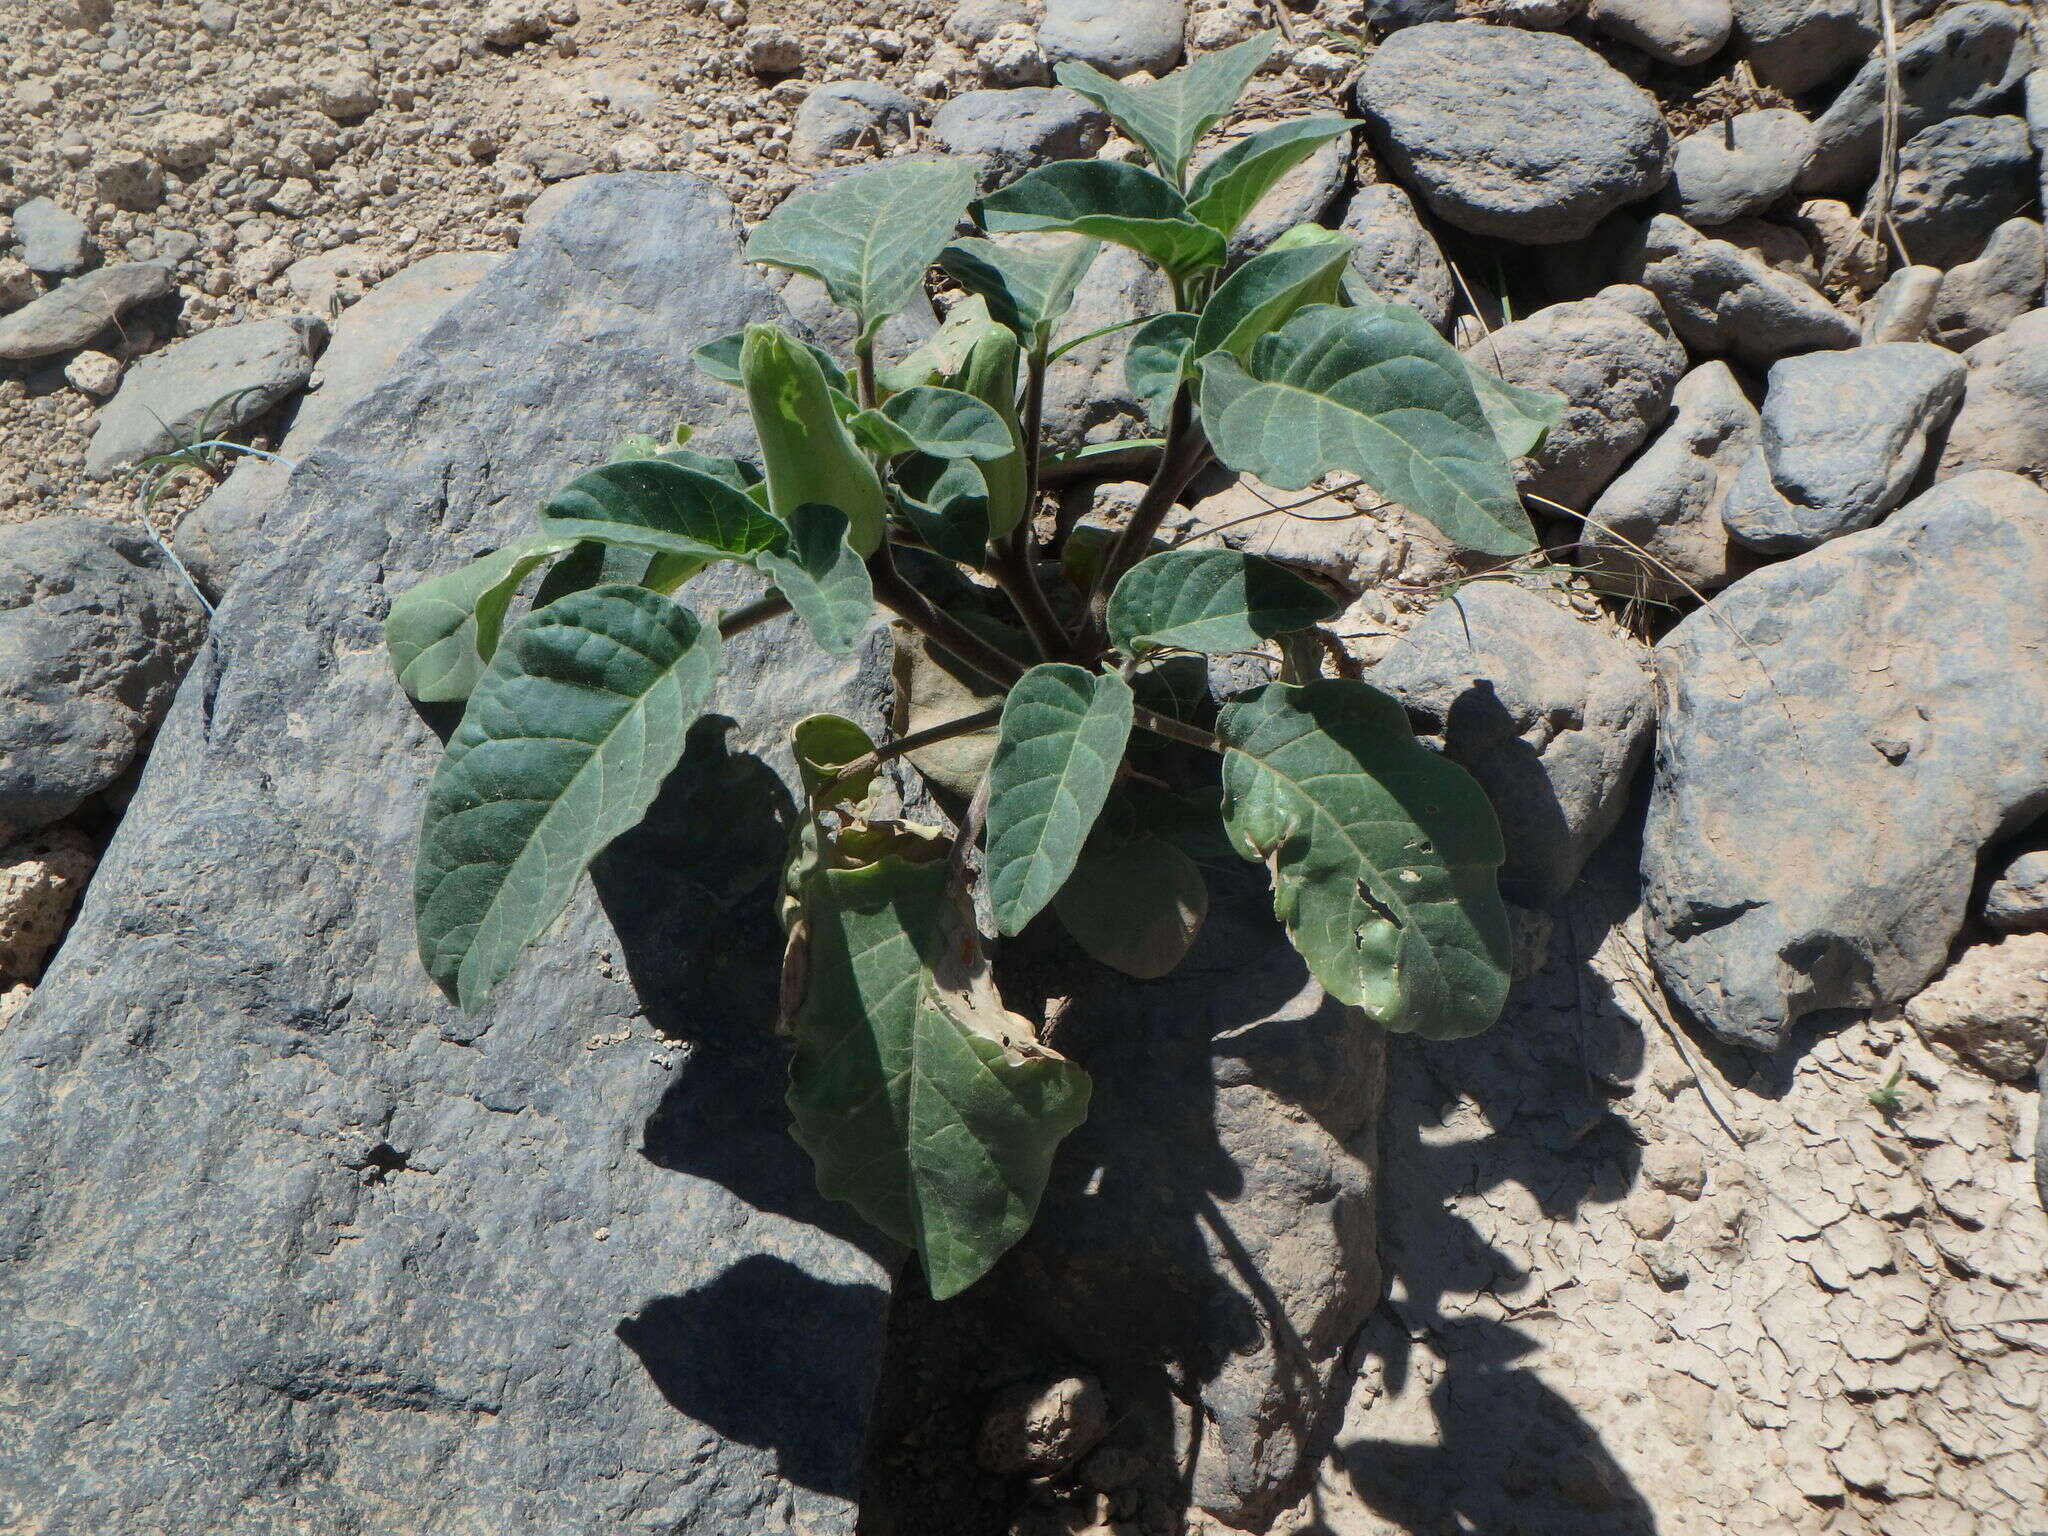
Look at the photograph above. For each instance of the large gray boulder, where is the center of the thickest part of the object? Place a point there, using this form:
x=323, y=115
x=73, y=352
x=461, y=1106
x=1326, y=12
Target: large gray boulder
x=1527, y=136
x=1732, y=169
x=1682, y=32
x=1724, y=298
x=1548, y=711
x=1840, y=737
x=1119, y=37
x=72, y=313
x=1011, y=132
x=289, y=1243
x=96, y=630
x=1957, y=182
x=54, y=241
x=2003, y=422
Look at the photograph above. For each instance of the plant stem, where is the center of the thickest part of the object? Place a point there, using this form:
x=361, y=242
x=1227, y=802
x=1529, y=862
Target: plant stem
x=1175, y=730
x=911, y=605
x=1184, y=453
x=1015, y=566
x=931, y=735
x=864, y=357
x=745, y=617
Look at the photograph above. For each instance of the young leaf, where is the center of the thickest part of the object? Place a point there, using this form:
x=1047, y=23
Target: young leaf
x=1211, y=600
x=1259, y=296
x=923, y=1102
x=1358, y=390
x=1108, y=200
x=442, y=632
x=947, y=502
x=1167, y=116
x=1063, y=736
x=825, y=581
x=869, y=236
x=944, y=353
x=1230, y=186
x=1027, y=288
x=825, y=745
x=697, y=513
x=990, y=376
x=1382, y=853
x=945, y=423
x=1157, y=360
x=1134, y=904
x=579, y=718
x=805, y=447
x=720, y=358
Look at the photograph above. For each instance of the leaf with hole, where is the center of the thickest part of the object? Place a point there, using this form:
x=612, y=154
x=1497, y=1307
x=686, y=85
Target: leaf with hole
x=1388, y=401
x=1230, y=186
x=580, y=716
x=1382, y=853
x=1062, y=739
x=441, y=633
x=1259, y=296
x=1211, y=600
x=825, y=581
x=1107, y=200
x=1028, y=287
x=1167, y=116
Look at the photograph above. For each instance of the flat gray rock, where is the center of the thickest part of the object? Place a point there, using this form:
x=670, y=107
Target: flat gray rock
x=1724, y=298
x=293, y=1244
x=2017, y=901
x=1838, y=741
x=842, y=114
x=1011, y=132
x=1972, y=56
x=225, y=531
x=53, y=239
x=96, y=629
x=1957, y=182
x=1396, y=256
x=1739, y=167
x=1657, y=530
x=1551, y=713
x=2003, y=422
x=1614, y=360
x=217, y=380
x=1119, y=37
x=1681, y=32
x=1527, y=136
x=1980, y=298
x=72, y=313
x=1844, y=436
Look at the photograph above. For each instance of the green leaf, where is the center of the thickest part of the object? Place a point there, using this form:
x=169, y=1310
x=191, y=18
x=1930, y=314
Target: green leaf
x=923, y=1102
x=826, y=745
x=599, y=563
x=1259, y=296
x=720, y=358
x=1107, y=200
x=825, y=581
x=946, y=501
x=1168, y=115
x=1211, y=600
x=740, y=474
x=1230, y=186
x=1382, y=853
x=1062, y=739
x=564, y=745
x=655, y=504
x=1135, y=904
x=869, y=237
x=943, y=354
x=805, y=448
x=1027, y=288
x=442, y=632
x=945, y=423
x=1157, y=361
x=1389, y=401
x=1520, y=418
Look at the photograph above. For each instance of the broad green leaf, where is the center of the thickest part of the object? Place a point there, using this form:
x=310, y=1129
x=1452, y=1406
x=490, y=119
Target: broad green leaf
x=1167, y=116
x=1027, y=288
x=443, y=631
x=600, y=563
x=941, y=355
x=720, y=358
x=1259, y=296
x=1107, y=200
x=1062, y=739
x=923, y=1102
x=639, y=445
x=1157, y=361
x=946, y=501
x=1135, y=904
x=1230, y=186
x=945, y=423
x=1382, y=853
x=868, y=237
x=990, y=376
x=566, y=740
x=805, y=448
x=1212, y=600
x=636, y=500
x=1520, y=418
x=740, y=474
x=1389, y=401
x=826, y=745
x=825, y=581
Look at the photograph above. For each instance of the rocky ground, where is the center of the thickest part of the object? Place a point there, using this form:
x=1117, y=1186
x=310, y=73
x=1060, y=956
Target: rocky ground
x=1732, y=1225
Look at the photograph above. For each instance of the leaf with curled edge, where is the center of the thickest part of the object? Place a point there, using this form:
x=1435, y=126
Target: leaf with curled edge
x=441, y=633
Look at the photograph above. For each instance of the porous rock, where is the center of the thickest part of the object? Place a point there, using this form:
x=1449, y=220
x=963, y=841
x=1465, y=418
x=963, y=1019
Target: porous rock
x=1837, y=741
x=557, y=1265
x=1614, y=360
x=220, y=379
x=1396, y=256
x=1119, y=37
x=96, y=629
x=1739, y=166
x=842, y=114
x=2003, y=422
x=1682, y=32
x=1657, y=530
x=1980, y=298
x=1957, y=182
x=41, y=879
x=71, y=314
x=1990, y=1009
x=53, y=240
x=1528, y=136
x=2017, y=900
x=1844, y=436
x=1550, y=712
x=1011, y=132
x=1724, y=299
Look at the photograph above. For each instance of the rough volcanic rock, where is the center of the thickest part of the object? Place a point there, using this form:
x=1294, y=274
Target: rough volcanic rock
x=1991, y=1007
x=1549, y=712
x=96, y=629
x=1396, y=256
x=1011, y=132
x=293, y=1244
x=1957, y=182
x=71, y=314
x=2003, y=423
x=1798, y=44
x=41, y=879
x=1527, y=136
x=1723, y=298
x=1838, y=740
x=1086, y=399
x=1732, y=169
x=53, y=240
x=1980, y=298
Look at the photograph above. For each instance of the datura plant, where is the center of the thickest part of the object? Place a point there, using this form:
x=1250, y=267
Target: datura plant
x=1086, y=771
